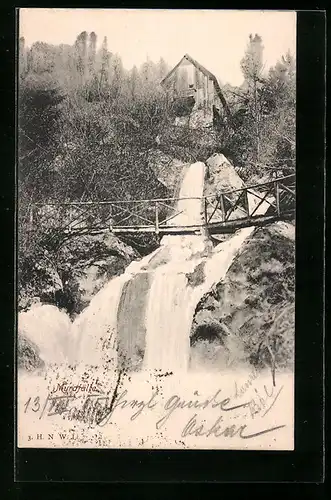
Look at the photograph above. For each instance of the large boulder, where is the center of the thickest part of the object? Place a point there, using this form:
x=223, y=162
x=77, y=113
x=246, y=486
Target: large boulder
x=221, y=175
x=93, y=277
x=28, y=355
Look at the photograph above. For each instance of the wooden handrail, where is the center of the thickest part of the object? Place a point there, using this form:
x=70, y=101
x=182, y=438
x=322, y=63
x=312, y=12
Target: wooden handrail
x=153, y=200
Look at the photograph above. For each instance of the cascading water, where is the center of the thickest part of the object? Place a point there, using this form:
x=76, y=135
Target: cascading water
x=172, y=299
x=167, y=315
x=143, y=317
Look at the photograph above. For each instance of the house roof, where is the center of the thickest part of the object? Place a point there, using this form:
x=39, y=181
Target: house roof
x=196, y=64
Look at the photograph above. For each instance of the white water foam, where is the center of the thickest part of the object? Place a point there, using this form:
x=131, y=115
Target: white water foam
x=49, y=329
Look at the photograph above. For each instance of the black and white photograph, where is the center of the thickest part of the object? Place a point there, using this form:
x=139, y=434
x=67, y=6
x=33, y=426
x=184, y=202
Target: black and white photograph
x=156, y=174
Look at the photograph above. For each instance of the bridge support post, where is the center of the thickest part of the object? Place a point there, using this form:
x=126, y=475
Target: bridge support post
x=222, y=207
x=205, y=230
x=246, y=204
x=205, y=211
x=157, y=230
x=277, y=198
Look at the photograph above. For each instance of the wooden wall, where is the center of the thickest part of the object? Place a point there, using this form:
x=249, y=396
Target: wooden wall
x=186, y=81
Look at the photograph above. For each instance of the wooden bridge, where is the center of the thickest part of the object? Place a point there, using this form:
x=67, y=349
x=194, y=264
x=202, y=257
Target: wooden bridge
x=223, y=212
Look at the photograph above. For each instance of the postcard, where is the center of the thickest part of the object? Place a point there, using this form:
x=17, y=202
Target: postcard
x=156, y=229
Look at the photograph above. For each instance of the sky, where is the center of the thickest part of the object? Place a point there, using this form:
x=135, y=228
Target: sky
x=215, y=38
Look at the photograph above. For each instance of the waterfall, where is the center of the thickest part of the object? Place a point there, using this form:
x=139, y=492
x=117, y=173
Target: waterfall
x=168, y=313
x=143, y=318
x=172, y=300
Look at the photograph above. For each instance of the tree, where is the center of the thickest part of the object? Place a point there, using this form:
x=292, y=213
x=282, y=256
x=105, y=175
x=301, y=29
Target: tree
x=252, y=62
x=92, y=49
x=38, y=123
x=105, y=57
x=252, y=66
x=280, y=99
x=148, y=75
x=78, y=144
x=81, y=55
x=262, y=136
x=134, y=83
x=42, y=58
x=117, y=76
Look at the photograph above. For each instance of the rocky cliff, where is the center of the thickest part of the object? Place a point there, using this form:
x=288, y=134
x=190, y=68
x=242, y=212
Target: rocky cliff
x=249, y=318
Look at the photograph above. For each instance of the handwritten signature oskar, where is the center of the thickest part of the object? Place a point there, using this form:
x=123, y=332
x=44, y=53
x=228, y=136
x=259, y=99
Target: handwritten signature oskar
x=263, y=402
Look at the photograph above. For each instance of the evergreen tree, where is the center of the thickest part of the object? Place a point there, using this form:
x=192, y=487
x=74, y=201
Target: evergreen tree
x=117, y=73
x=105, y=68
x=252, y=66
x=134, y=83
x=252, y=62
x=92, y=49
x=280, y=96
x=81, y=55
x=147, y=73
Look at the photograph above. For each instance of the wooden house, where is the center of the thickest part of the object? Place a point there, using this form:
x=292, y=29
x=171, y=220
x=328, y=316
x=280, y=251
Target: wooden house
x=196, y=94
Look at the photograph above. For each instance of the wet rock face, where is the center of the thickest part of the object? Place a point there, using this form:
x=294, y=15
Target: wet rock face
x=197, y=277
x=207, y=329
x=253, y=303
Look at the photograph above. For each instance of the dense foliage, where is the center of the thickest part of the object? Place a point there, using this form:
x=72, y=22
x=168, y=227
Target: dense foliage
x=263, y=110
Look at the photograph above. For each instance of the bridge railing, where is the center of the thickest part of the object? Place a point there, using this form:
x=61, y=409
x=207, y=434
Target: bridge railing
x=159, y=215
x=117, y=215
x=244, y=203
